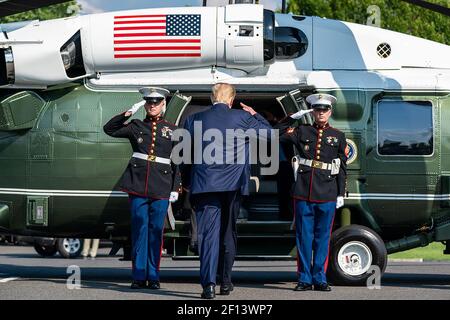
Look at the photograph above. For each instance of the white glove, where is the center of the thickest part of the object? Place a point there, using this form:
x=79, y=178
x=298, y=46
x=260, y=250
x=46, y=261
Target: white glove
x=300, y=114
x=173, y=196
x=339, y=202
x=136, y=107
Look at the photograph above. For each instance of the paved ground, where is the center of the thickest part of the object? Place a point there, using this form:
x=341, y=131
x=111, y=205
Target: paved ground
x=25, y=275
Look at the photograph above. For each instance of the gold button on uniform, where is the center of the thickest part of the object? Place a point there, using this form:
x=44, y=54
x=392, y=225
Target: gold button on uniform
x=318, y=151
x=318, y=157
x=319, y=145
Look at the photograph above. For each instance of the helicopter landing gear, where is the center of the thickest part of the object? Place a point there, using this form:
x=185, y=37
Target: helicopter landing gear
x=354, y=251
x=69, y=247
x=45, y=250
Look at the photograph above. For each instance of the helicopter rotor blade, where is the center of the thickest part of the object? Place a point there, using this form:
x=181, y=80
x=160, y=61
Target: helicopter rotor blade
x=430, y=6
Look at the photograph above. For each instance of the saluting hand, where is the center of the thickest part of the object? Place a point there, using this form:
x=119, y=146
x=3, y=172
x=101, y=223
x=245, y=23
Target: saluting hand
x=134, y=108
x=300, y=114
x=248, y=109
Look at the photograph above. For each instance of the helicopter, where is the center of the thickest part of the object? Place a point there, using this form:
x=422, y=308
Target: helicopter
x=62, y=80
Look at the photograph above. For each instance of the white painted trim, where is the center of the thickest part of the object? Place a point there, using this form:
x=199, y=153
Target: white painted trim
x=394, y=196
x=120, y=194
x=64, y=193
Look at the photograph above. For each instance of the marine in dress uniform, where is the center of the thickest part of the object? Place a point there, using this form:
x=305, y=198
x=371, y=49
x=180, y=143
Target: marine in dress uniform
x=319, y=188
x=216, y=190
x=151, y=181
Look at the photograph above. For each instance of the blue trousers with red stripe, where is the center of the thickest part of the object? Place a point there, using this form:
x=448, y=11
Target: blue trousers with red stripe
x=313, y=222
x=147, y=226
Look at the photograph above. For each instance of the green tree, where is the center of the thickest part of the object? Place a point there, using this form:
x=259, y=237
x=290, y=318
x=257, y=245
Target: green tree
x=396, y=15
x=51, y=12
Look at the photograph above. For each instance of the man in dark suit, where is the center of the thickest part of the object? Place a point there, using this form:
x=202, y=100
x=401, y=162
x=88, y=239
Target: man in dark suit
x=217, y=186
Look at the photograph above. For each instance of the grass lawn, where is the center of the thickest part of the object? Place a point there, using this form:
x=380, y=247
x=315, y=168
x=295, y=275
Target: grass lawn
x=431, y=252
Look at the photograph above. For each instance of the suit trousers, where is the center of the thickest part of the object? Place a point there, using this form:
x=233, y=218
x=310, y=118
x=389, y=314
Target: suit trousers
x=216, y=214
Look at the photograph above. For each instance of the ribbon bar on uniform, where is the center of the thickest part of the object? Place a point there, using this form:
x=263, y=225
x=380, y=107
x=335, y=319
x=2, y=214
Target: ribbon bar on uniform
x=152, y=158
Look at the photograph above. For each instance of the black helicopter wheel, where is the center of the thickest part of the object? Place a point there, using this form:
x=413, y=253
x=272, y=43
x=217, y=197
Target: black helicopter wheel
x=45, y=251
x=356, y=252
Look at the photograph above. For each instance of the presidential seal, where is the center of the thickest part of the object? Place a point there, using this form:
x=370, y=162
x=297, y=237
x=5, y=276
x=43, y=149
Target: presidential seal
x=351, y=151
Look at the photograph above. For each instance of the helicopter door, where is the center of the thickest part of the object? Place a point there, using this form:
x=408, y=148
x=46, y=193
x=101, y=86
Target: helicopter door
x=270, y=200
x=402, y=159
x=175, y=107
x=292, y=102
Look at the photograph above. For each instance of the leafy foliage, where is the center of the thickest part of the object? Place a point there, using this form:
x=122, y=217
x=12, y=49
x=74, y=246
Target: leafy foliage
x=396, y=15
x=51, y=12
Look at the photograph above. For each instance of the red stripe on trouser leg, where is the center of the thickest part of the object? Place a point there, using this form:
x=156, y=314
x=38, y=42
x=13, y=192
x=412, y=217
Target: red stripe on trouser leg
x=162, y=244
x=161, y=249
x=329, y=240
x=295, y=226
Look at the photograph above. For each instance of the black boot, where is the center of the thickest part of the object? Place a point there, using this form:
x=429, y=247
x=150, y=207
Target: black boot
x=153, y=284
x=301, y=286
x=225, y=289
x=209, y=292
x=138, y=284
x=322, y=287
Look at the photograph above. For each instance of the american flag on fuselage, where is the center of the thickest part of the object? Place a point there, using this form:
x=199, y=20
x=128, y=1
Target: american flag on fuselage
x=157, y=36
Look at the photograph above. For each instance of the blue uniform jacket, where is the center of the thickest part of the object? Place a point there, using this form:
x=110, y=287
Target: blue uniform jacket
x=219, y=177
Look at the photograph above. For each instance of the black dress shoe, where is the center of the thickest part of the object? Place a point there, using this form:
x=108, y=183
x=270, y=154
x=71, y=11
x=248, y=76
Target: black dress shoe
x=154, y=285
x=322, y=287
x=225, y=289
x=138, y=284
x=301, y=286
x=209, y=292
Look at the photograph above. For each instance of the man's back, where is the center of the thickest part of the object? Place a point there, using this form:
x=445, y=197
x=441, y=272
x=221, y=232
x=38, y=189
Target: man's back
x=228, y=169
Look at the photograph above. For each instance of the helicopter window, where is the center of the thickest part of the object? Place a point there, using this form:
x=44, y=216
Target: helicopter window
x=405, y=128
x=269, y=37
x=290, y=43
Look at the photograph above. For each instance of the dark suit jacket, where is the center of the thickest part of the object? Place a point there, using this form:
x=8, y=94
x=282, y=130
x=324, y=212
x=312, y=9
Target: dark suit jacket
x=219, y=177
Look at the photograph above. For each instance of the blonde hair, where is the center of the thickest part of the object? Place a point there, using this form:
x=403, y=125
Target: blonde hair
x=222, y=92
